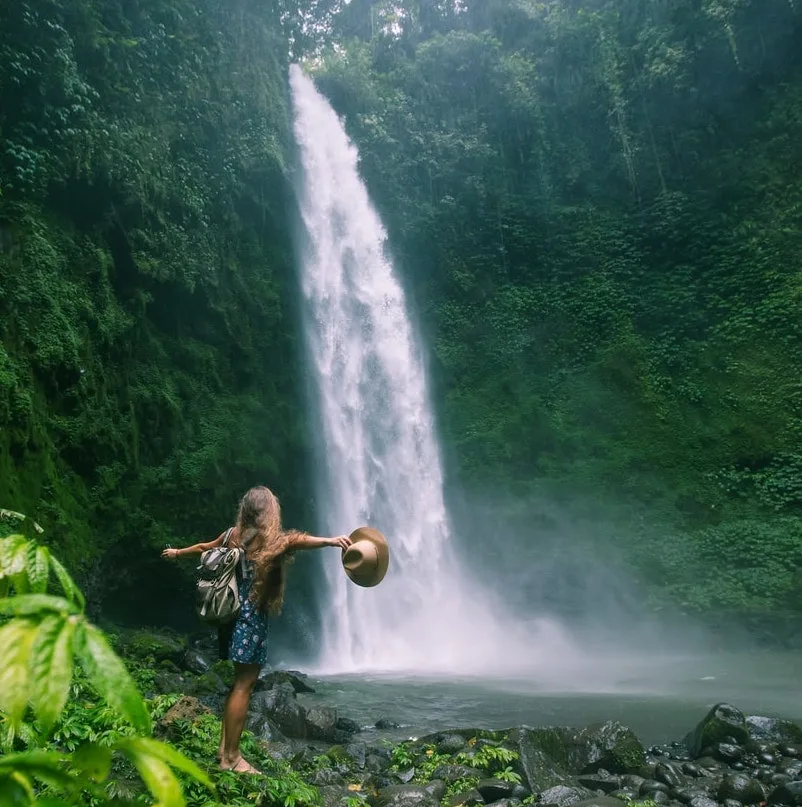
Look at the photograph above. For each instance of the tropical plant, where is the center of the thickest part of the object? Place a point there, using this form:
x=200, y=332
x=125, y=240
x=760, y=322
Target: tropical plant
x=43, y=635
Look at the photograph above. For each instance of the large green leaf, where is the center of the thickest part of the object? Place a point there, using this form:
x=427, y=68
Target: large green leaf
x=71, y=591
x=93, y=760
x=51, y=668
x=15, y=790
x=33, y=604
x=168, y=754
x=10, y=562
x=156, y=774
x=45, y=766
x=37, y=561
x=110, y=677
x=16, y=640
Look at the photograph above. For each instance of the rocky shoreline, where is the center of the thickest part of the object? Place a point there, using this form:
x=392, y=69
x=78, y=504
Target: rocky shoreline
x=728, y=760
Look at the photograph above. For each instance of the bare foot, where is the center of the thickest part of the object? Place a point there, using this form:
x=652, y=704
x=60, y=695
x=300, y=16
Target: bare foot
x=240, y=765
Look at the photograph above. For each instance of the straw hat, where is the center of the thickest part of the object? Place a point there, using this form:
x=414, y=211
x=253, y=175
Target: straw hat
x=368, y=557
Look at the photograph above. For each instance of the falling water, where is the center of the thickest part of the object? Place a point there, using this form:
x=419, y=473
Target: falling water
x=380, y=462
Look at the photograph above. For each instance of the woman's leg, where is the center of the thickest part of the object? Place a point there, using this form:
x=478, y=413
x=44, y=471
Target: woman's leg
x=236, y=711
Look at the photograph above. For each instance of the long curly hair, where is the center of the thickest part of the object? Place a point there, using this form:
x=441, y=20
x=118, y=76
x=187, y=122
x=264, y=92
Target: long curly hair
x=267, y=545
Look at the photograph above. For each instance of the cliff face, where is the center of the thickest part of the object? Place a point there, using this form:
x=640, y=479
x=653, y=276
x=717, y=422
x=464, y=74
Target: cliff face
x=148, y=357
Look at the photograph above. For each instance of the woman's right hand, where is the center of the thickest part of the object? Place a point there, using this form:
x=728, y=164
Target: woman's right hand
x=343, y=541
x=170, y=552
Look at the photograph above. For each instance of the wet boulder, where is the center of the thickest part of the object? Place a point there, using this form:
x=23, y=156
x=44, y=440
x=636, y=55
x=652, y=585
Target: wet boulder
x=611, y=746
x=722, y=724
x=321, y=723
x=495, y=789
x=279, y=704
x=564, y=795
x=773, y=730
x=468, y=798
x=790, y=793
x=195, y=662
x=741, y=788
x=539, y=768
x=406, y=796
x=294, y=679
x=607, y=784
x=146, y=645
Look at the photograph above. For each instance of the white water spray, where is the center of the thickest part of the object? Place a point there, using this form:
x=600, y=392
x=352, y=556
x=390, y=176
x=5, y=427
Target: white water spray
x=380, y=464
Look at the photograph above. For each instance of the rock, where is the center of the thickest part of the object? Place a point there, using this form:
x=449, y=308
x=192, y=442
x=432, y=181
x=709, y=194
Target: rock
x=790, y=751
x=327, y=776
x=208, y=684
x=702, y=801
x=773, y=730
x=511, y=802
x=727, y=752
x=793, y=767
x=280, y=706
x=436, y=788
x=383, y=724
x=648, y=789
x=358, y=753
x=665, y=772
x=721, y=723
x=611, y=746
x=331, y=795
x=691, y=769
x=686, y=795
x=195, y=662
x=348, y=726
x=540, y=771
x=468, y=798
x=451, y=773
x=144, y=645
x=495, y=789
x=260, y=724
x=741, y=788
x=321, y=723
x=606, y=784
x=450, y=744
x=599, y=801
x=790, y=793
x=563, y=795
x=186, y=708
x=405, y=777
x=294, y=679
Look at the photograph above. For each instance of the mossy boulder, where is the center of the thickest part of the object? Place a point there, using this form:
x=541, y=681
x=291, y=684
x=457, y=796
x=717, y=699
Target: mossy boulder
x=146, y=646
x=723, y=723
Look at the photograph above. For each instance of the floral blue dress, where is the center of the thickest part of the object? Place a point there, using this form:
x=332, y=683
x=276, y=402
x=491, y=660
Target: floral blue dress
x=248, y=642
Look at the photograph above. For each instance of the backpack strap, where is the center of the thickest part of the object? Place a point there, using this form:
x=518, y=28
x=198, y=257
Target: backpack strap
x=227, y=536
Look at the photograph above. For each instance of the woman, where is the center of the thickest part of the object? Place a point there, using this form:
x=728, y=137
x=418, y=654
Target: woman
x=268, y=549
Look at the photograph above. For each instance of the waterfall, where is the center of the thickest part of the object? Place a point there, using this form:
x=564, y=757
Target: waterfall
x=379, y=461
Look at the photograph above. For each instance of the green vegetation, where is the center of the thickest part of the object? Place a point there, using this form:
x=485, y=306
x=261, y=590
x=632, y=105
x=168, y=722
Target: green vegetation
x=594, y=205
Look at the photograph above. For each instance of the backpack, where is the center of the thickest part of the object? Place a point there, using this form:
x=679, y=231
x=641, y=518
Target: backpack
x=217, y=599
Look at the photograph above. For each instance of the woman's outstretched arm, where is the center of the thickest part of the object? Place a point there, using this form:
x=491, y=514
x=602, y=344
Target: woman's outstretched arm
x=195, y=549
x=301, y=540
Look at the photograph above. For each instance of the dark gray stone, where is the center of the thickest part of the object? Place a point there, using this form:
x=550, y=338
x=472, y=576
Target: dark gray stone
x=327, y=776
x=348, y=726
x=650, y=787
x=599, y=801
x=331, y=795
x=611, y=746
x=358, y=753
x=790, y=793
x=540, y=770
x=773, y=730
x=450, y=744
x=722, y=723
x=295, y=679
x=727, y=752
x=383, y=724
x=468, y=798
x=607, y=784
x=196, y=662
x=563, y=795
x=702, y=801
x=741, y=788
x=668, y=774
x=321, y=723
x=280, y=706
x=495, y=789
x=450, y=773
x=406, y=796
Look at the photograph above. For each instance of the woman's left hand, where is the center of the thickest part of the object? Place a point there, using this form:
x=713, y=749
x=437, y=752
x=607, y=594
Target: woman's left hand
x=170, y=552
x=343, y=541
